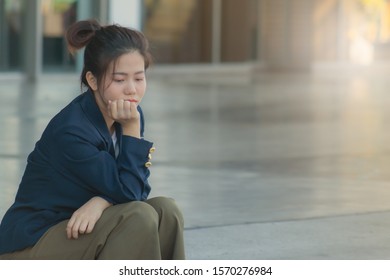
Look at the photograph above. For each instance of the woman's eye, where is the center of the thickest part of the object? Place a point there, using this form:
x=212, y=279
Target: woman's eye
x=119, y=81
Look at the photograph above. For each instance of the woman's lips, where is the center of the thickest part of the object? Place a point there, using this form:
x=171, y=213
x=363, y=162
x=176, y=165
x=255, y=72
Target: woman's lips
x=132, y=100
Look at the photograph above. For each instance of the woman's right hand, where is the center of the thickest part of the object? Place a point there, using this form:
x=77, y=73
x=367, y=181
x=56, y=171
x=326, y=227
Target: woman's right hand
x=125, y=112
x=84, y=219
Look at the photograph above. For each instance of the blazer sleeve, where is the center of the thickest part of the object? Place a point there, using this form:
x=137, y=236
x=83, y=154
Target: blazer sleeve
x=85, y=159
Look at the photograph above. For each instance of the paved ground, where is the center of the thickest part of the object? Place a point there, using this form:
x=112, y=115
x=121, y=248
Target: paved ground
x=282, y=166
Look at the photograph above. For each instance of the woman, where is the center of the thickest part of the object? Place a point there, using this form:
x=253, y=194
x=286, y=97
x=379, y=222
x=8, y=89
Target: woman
x=84, y=193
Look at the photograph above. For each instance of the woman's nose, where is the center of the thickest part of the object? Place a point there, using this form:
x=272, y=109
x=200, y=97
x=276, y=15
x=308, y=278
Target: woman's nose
x=130, y=89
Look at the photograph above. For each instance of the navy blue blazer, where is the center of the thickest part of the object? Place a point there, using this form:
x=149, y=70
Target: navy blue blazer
x=72, y=162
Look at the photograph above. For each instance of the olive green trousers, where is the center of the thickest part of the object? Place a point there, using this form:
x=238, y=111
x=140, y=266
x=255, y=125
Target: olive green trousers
x=138, y=230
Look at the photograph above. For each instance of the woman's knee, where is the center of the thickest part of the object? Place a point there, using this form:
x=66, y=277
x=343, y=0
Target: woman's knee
x=167, y=207
x=140, y=214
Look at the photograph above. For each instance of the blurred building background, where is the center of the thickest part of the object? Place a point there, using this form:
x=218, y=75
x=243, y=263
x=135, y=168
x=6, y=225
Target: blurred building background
x=274, y=35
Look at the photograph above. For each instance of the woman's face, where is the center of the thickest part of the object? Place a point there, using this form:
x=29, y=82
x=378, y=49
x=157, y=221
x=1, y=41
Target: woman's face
x=125, y=80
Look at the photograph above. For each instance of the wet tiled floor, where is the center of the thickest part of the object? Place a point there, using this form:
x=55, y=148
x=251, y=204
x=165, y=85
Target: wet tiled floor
x=251, y=162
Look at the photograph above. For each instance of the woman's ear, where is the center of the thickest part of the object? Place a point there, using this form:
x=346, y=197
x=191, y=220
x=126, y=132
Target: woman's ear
x=92, y=82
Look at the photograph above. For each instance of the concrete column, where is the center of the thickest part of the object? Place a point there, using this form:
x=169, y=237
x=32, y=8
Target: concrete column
x=3, y=38
x=342, y=32
x=126, y=13
x=33, y=42
x=216, y=31
x=286, y=41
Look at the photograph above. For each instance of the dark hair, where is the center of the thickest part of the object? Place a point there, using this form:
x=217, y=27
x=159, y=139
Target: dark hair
x=103, y=45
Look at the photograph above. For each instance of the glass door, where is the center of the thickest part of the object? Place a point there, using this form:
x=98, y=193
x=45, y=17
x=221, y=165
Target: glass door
x=179, y=31
x=11, y=23
x=58, y=15
x=239, y=30
x=188, y=31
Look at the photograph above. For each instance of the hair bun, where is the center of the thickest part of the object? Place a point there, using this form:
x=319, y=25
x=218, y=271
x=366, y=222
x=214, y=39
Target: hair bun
x=80, y=34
